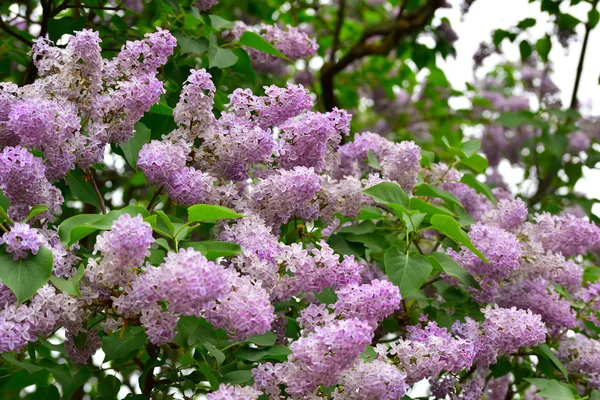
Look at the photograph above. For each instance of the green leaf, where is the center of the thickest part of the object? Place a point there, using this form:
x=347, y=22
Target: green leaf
x=526, y=23
x=114, y=347
x=266, y=339
x=567, y=21
x=471, y=181
x=70, y=286
x=81, y=188
x=427, y=190
x=443, y=262
x=216, y=353
x=77, y=227
x=543, y=47
x=595, y=395
x=131, y=149
x=219, y=23
x=191, y=45
x=555, y=390
x=430, y=209
x=514, y=119
x=161, y=109
x=408, y=272
x=164, y=222
x=213, y=249
x=109, y=385
x=31, y=368
x=470, y=147
x=219, y=57
x=372, y=161
x=450, y=228
x=210, y=376
x=66, y=25
x=412, y=220
x=237, y=377
x=360, y=229
x=476, y=162
x=277, y=352
x=4, y=215
x=209, y=212
x=36, y=210
x=593, y=18
x=548, y=353
x=525, y=49
x=388, y=193
x=26, y=275
x=255, y=41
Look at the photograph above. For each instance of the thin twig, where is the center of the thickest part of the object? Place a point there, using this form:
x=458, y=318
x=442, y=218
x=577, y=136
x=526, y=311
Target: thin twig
x=588, y=29
x=14, y=34
x=96, y=190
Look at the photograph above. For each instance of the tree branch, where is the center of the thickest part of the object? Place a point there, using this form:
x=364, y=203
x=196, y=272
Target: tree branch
x=338, y=29
x=586, y=38
x=393, y=32
x=4, y=26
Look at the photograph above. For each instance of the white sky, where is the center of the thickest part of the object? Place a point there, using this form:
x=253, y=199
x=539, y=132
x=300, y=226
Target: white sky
x=487, y=15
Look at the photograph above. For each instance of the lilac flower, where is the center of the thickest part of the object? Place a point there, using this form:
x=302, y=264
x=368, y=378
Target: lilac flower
x=580, y=356
x=81, y=353
x=509, y=215
x=403, y=164
x=285, y=194
x=205, y=5
x=377, y=380
x=275, y=107
x=189, y=186
x=370, y=302
x=579, y=142
x=244, y=310
x=428, y=351
x=160, y=160
x=500, y=247
x=128, y=240
x=565, y=234
x=228, y=392
x=194, y=109
x=321, y=357
x=23, y=181
x=509, y=329
x=21, y=240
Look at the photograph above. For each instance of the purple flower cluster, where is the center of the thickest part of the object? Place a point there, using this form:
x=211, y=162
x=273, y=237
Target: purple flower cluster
x=369, y=302
x=229, y=392
x=21, y=241
x=378, y=380
x=565, y=234
x=580, y=356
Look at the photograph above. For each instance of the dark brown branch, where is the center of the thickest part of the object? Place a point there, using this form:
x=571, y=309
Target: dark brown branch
x=4, y=26
x=338, y=28
x=90, y=175
x=392, y=31
x=586, y=37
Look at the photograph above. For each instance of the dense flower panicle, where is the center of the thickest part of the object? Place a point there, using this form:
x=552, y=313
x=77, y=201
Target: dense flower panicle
x=308, y=139
x=128, y=240
x=564, y=234
x=81, y=353
x=314, y=270
x=84, y=50
x=186, y=281
x=7, y=297
x=346, y=196
x=508, y=215
x=48, y=125
x=369, y=302
x=315, y=315
x=23, y=181
x=161, y=159
x=275, y=107
x=376, y=380
x=64, y=259
x=536, y=296
x=21, y=241
x=509, y=329
x=286, y=194
x=430, y=350
x=229, y=392
x=353, y=155
x=194, y=109
x=120, y=108
x=233, y=145
x=291, y=42
x=189, y=186
x=244, y=310
x=142, y=56
x=580, y=356
x=403, y=164
x=321, y=357
x=579, y=142
x=501, y=248
x=205, y=5
x=46, y=310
